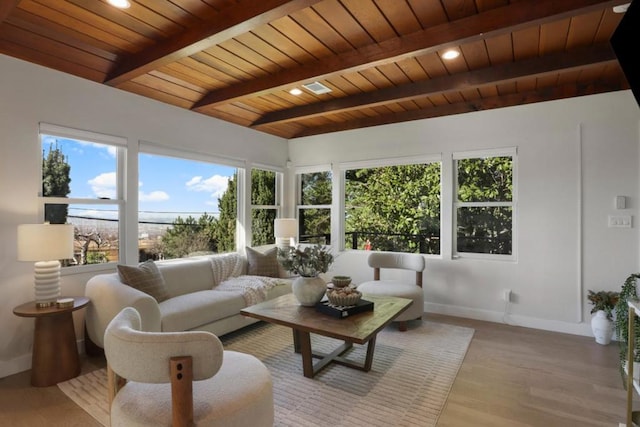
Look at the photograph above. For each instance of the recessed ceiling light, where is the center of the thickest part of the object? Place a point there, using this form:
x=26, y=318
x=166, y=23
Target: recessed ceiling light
x=120, y=4
x=451, y=54
x=295, y=91
x=621, y=9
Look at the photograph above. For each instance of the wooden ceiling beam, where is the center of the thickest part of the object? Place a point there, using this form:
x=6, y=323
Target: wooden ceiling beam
x=542, y=95
x=231, y=22
x=484, y=25
x=6, y=7
x=562, y=61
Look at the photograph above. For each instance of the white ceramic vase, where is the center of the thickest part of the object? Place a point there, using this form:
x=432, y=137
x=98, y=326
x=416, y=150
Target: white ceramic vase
x=308, y=290
x=602, y=327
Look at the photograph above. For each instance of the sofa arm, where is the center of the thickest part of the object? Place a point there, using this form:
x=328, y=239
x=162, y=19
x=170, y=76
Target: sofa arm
x=108, y=297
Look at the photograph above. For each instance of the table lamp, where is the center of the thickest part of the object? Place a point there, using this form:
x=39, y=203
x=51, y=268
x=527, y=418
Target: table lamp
x=45, y=244
x=284, y=230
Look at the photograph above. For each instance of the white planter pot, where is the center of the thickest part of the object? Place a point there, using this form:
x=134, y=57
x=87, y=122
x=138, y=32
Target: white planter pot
x=308, y=290
x=602, y=328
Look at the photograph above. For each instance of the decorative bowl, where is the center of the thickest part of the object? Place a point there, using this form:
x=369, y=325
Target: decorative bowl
x=344, y=296
x=341, y=281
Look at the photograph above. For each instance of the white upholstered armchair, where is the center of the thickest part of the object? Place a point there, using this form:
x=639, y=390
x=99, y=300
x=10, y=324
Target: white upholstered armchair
x=398, y=288
x=182, y=379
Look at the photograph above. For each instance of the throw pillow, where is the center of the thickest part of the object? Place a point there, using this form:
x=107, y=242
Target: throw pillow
x=263, y=264
x=146, y=278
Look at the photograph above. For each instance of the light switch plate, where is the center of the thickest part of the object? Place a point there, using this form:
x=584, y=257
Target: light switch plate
x=620, y=221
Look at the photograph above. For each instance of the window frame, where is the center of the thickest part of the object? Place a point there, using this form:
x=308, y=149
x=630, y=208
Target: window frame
x=152, y=148
x=484, y=154
x=279, y=185
x=299, y=206
x=391, y=161
x=121, y=146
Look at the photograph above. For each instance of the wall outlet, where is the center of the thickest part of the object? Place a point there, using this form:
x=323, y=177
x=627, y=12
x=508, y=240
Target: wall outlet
x=506, y=296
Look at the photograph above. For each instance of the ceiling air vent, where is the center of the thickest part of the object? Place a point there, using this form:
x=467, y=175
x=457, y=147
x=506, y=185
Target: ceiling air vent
x=317, y=88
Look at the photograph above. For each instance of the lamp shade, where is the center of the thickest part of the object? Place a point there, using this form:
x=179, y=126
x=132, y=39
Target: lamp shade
x=285, y=228
x=45, y=242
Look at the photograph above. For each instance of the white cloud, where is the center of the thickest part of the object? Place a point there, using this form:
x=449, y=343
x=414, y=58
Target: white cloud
x=154, y=196
x=104, y=185
x=216, y=185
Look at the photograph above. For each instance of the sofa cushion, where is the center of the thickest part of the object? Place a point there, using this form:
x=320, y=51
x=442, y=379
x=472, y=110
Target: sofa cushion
x=192, y=310
x=263, y=264
x=146, y=278
x=186, y=275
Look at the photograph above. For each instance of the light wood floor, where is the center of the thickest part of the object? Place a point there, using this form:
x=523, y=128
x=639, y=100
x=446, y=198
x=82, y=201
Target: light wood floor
x=511, y=377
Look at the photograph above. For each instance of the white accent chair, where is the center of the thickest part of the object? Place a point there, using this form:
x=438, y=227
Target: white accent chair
x=182, y=379
x=397, y=288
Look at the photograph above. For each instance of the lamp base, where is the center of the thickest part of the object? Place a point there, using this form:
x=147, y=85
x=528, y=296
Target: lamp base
x=47, y=283
x=283, y=243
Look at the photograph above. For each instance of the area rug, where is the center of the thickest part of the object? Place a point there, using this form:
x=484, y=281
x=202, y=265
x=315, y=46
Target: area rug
x=408, y=384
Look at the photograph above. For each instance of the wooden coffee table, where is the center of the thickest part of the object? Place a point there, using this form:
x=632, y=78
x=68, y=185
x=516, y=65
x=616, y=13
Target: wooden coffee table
x=360, y=328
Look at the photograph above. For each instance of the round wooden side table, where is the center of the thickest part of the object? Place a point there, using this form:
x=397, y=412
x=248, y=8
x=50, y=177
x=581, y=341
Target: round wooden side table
x=55, y=353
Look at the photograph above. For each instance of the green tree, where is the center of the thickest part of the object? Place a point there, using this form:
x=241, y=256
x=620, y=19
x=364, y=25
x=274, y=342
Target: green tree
x=224, y=232
x=315, y=190
x=189, y=236
x=485, y=229
x=56, y=182
x=263, y=185
x=396, y=208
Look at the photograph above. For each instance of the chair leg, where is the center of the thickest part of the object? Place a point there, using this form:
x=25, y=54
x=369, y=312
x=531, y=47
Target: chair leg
x=402, y=326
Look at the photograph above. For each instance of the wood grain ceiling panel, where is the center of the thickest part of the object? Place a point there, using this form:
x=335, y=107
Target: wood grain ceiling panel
x=121, y=42
x=54, y=48
x=344, y=23
x=315, y=24
x=428, y=12
x=236, y=60
x=44, y=28
x=553, y=36
x=475, y=54
x=400, y=16
x=370, y=18
x=583, y=28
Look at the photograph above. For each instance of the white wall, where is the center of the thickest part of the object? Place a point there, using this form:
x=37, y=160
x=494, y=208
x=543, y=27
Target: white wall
x=564, y=247
x=30, y=94
x=574, y=157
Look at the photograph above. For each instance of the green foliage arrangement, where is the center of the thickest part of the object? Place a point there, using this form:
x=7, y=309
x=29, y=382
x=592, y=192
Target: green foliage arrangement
x=307, y=262
x=603, y=300
x=627, y=293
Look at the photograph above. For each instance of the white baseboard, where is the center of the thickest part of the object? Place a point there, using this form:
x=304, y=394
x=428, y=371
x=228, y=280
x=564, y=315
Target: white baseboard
x=15, y=365
x=23, y=363
x=511, y=319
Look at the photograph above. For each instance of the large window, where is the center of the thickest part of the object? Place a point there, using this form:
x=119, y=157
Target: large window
x=314, y=207
x=82, y=185
x=484, y=202
x=393, y=208
x=185, y=207
x=264, y=205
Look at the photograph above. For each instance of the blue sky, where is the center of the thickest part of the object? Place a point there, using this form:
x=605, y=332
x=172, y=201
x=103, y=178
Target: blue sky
x=164, y=185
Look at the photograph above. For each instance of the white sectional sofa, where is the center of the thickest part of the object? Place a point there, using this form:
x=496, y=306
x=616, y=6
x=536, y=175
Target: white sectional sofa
x=203, y=293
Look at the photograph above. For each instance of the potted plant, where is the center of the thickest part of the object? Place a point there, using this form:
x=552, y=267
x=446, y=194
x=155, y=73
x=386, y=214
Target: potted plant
x=602, y=323
x=308, y=263
x=627, y=293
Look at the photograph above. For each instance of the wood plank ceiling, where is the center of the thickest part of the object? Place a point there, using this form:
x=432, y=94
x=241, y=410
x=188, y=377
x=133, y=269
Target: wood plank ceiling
x=236, y=60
